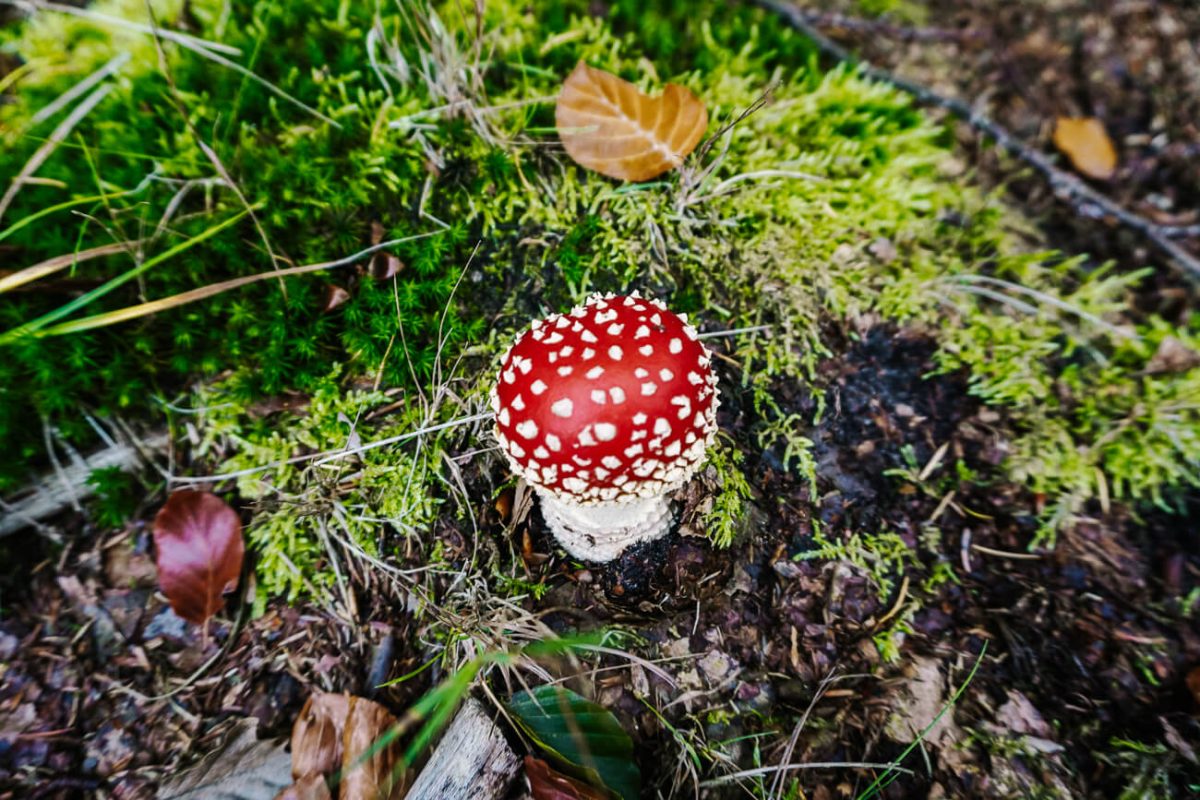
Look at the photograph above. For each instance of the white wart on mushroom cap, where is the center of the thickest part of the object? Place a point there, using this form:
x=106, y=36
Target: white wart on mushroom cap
x=611, y=403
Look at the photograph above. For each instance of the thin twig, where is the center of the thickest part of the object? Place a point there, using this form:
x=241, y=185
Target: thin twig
x=333, y=455
x=878, y=27
x=1086, y=201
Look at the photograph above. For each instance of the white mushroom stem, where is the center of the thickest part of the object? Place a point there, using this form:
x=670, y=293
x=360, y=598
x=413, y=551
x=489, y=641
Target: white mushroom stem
x=601, y=532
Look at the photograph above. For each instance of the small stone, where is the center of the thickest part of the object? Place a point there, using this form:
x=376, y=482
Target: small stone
x=168, y=625
x=8, y=646
x=718, y=667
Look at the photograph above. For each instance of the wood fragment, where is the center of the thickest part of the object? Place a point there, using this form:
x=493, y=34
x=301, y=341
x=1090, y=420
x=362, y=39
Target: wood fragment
x=55, y=491
x=472, y=762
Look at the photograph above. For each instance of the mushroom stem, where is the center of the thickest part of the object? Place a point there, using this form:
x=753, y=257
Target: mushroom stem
x=601, y=532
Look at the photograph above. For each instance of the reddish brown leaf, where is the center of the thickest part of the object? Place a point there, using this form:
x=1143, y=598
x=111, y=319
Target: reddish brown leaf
x=381, y=776
x=1193, y=683
x=334, y=297
x=546, y=783
x=1086, y=143
x=317, y=734
x=607, y=125
x=198, y=542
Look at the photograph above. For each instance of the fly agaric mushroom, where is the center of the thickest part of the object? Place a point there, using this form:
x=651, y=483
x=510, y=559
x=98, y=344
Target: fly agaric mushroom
x=606, y=411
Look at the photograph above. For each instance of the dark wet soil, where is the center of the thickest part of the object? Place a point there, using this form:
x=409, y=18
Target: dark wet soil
x=1093, y=637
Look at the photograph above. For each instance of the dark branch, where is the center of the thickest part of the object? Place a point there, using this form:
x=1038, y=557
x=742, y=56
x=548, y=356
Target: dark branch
x=1067, y=187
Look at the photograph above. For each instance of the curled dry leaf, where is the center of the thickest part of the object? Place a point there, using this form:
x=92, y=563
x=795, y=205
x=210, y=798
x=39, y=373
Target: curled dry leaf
x=317, y=734
x=334, y=735
x=383, y=266
x=1086, y=143
x=199, y=552
x=547, y=783
x=380, y=775
x=607, y=125
x=334, y=297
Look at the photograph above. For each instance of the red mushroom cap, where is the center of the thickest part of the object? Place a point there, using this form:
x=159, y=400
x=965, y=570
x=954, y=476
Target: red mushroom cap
x=612, y=402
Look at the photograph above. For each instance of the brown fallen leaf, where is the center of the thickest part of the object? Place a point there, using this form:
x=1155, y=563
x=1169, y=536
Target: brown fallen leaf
x=1086, y=143
x=198, y=551
x=607, y=125
x=380, y=776
x=334, y=297
x=547, y=783
x=382, y=266
x=317, y=734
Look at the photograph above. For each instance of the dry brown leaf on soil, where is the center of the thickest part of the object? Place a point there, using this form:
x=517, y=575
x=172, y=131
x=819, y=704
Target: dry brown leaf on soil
x=199, y=552
x=1086, y=143
x=547, y=783
x=331, y=737
x=607, y=125
x=380, y=776
x=310, y=787
x=317, y=734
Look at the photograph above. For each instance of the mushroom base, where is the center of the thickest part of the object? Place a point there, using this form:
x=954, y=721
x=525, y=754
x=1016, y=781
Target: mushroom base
x=603, y=532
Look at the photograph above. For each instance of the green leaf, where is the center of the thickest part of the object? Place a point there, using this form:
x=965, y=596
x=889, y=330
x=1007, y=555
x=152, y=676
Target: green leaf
x=581, y=735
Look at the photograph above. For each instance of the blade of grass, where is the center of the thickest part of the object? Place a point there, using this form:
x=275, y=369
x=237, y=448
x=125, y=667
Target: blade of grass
x=117, y=22
x=47, y=149
x=52, y=265
x=41, y=322
x=79, y=89
x=203, y=293
x=45, y=212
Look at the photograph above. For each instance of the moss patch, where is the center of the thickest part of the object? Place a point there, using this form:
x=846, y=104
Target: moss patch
x=834, y=202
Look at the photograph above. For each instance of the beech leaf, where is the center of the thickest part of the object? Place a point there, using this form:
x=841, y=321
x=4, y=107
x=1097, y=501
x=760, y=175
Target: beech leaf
x=547, y=783
x=199, y=551
x=1086, y=143
x=607, y=125
x=310, y=787
x=317, y=734
x=581, y=737
x=370, y=771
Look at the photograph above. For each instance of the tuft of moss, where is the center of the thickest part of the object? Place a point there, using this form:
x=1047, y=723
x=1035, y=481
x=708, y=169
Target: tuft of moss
x=835, y=201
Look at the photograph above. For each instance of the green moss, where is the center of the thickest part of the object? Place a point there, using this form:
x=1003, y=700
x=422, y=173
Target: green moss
x=310, y=517
x=415, y=128
x=727, y=514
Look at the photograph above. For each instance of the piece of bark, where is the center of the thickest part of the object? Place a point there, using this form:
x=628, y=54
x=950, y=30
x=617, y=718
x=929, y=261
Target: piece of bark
x=57, y=490
x=243, y=769
x=472, y=762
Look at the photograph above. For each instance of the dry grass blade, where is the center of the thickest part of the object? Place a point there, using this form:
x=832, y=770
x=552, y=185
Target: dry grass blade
x=21, y=277
x=80, y=89
x=118, y=22
x=47, y=149
x=607, y=125
x=204, y=292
